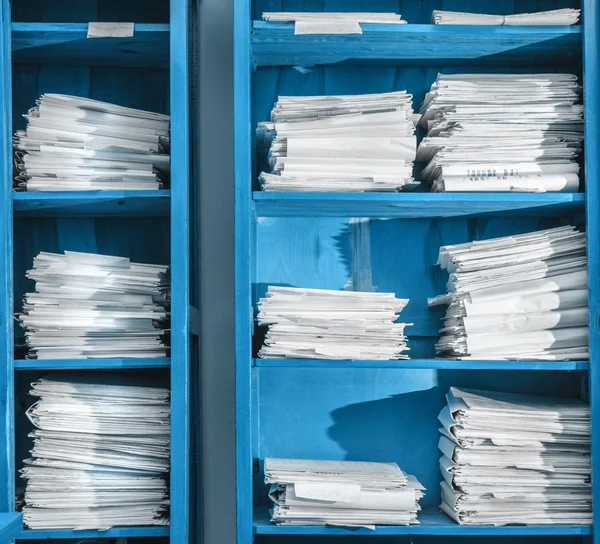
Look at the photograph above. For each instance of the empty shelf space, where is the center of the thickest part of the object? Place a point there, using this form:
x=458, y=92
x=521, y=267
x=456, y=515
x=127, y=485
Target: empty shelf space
x=430, y=364
x=415, y=205
x=67, y=43
x=432, y=522
x=90, y=364
x=97, y=203
x=115, y=532
x=275, y=44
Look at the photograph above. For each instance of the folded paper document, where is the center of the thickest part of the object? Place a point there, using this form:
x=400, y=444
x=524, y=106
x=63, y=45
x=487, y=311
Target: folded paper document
x=565, y=17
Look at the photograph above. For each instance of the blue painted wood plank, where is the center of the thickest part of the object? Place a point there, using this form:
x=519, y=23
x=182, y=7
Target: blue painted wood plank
x=181, y=417
x=415, y=205
x=591, y=74
x=115, y=532
x=11, y=524
x=432, y=522
x=67, y=43
x=275, y=44
x=416, y=364
x=97, y=204
x=7, y=427
x=91, y=364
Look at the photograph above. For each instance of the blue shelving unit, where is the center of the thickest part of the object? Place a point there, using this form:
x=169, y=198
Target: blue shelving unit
x=387, y=410
x=44, y=48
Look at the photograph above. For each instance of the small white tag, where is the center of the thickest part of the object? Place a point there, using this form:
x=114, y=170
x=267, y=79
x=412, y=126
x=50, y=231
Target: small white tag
x=327, y=492
x=110, y=30
x=327, y=27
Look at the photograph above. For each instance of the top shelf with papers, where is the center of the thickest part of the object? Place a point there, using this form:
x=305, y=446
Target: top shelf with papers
x=275, y=44
x=67, y=43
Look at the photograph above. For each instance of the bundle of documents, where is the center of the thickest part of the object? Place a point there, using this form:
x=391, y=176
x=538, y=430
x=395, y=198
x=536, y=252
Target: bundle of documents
x=331, y=22
x=554, y=17
x=100, y=452
x=350, y=143
x=515, y=459
x=79, y=144
x=346, y=493
x=502, y=133
x=516, y=297
x=93, y=306
x=322, y=324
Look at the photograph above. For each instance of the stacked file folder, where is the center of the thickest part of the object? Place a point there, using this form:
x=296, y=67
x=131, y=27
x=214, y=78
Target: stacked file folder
x=100, y=452
x=502, y=132
x=347, y=493
x=87, y=305
x=331, y=22
x=79, y=144
x=516, y=297
x=350, y=143
x=554, y=17
x=322, y=324
x=515, y=459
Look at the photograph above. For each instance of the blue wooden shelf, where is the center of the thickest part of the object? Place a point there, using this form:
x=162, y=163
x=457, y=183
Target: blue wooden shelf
x=11, y=524
x=116, y=532
x=275, y=44
x=96, y=203
x=414, y=364
x=432, y=522
x=67, y=43
x=416, y=205
x=90, y=364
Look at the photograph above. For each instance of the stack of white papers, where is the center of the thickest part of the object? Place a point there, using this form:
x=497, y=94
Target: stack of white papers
x=79, y=144
x=321, y=324
x=554, y=17
x=88, y=305
x=350, y=143
x=100, y=452
x=331, y=22
x=516, y=297
x=515, y=459
x=502, y=132
x=346, y=493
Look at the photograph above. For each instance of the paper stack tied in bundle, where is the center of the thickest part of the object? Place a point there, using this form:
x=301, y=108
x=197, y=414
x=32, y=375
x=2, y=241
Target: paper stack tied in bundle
x=516, y=297
x=323, y=324
x=502, y=133
x=87, y=305
x=78, y=144
x=342, y=493
x=515, y=459
x=100, y=452
x=350, y=143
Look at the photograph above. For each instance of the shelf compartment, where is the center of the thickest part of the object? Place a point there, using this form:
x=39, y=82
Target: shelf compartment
x=96, y=203
x=416, y=205
x=11, y=524
x=432, y=522
x=67, y=43
x=428, y=364
x=275, y=44
x=115, y=532
x=91, y=364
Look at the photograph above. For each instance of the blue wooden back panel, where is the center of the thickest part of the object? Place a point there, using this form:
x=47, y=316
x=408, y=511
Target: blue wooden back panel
x=412, y=11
